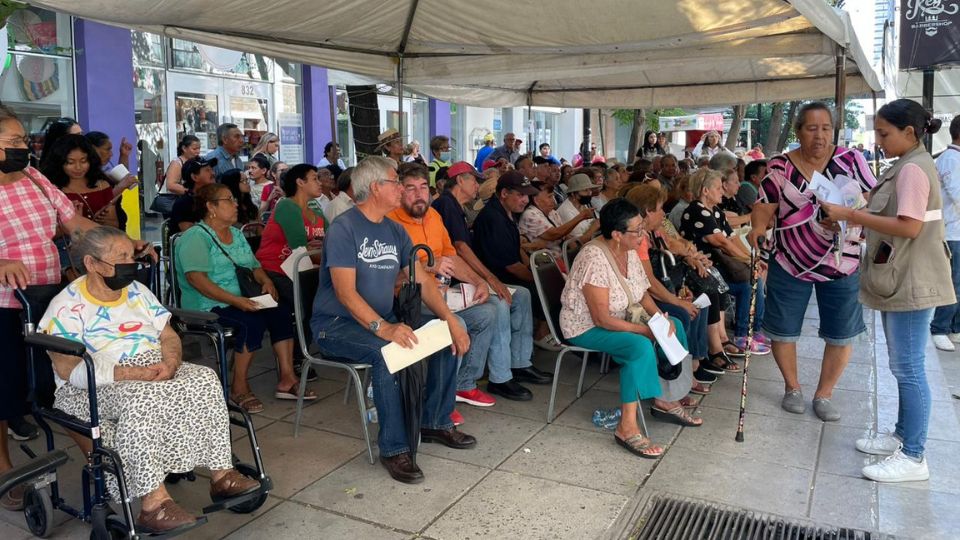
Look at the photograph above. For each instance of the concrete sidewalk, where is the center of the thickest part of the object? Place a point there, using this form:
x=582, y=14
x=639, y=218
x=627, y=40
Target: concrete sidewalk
x=528, y=479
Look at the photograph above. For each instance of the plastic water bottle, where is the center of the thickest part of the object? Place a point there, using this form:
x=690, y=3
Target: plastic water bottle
x=372, y=415
x=607, y=418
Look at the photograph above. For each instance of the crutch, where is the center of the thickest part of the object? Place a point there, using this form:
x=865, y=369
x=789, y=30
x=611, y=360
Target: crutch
x=746, y=357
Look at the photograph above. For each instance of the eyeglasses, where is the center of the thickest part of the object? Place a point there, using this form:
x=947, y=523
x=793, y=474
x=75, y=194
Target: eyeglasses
x=388, y=181
x=638, y=231
x=231, y=199
x=25, y=141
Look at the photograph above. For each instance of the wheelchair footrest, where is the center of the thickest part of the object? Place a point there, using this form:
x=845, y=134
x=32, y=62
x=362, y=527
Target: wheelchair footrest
x=201, y=520
x=31, y=469
x=266, y=485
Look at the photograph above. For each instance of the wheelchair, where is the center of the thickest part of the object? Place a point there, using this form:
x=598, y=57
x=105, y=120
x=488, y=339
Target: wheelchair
x=42, y=495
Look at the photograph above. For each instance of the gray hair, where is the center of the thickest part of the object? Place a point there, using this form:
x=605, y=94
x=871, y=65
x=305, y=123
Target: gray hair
x=809, y=107
x=94, y=242
x=703, y=179
x=371, y=169
x=723, y=160
x=222, y=130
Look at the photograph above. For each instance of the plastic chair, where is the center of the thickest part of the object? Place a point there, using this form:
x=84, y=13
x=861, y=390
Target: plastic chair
x=354, y=379
x=550, y=282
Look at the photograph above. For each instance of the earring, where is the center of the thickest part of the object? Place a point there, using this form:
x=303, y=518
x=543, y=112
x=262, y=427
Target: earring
x=213, y=215
x=618, y=244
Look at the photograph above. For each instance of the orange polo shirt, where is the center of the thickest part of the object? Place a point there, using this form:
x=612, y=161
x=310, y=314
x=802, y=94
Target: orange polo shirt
x=430, y=232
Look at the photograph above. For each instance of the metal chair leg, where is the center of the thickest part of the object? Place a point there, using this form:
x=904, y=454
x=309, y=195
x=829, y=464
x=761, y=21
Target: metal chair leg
x=583, y=373
x=361, y=404
x=553, y=388
x=346, y=391
x=304, y=373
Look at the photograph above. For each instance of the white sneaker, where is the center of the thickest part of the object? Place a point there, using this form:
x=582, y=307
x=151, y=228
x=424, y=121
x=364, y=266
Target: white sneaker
x=954, y=337
x=898, y=468
x=882, y=444
x=548, y=343
x=942, y=342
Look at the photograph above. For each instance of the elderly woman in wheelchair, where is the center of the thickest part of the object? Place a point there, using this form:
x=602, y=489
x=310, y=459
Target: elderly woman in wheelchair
x=159, y=414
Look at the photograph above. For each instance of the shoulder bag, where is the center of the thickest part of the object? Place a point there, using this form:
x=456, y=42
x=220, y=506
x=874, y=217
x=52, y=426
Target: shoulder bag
x=248, y=284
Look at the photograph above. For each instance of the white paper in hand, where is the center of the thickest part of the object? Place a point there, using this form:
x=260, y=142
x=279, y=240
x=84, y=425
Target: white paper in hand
x=672, y=348
x=265, y=301
x=461, y=296
x=118, y=173
x=702, y=301
x=305, y=263
x=431, y=337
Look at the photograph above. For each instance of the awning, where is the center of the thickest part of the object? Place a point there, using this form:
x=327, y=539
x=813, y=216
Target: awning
x=563, y=53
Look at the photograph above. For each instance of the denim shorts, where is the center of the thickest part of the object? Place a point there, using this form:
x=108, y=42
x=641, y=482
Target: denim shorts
x=841, y=315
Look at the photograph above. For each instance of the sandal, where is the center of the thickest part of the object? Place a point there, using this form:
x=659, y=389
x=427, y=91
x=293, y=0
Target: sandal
x=291, y=393
x=232, y=484
x=700, y=389
x=248, y=402
x=166, y=518
x=13, y=499
x=688, y=402
x=737, y=352
x=720, y=363
x=639, y=445
x=677, y=416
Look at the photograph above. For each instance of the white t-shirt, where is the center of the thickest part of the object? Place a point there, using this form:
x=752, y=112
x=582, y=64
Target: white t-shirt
x=111, y=331
x=567, y=212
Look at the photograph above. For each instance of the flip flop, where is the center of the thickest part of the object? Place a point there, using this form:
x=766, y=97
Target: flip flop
x=689, y=403
x=676, y=415
x=248, y=402
x=290, y=394
x=700, y=389
x=637, y=445
x=738, y=353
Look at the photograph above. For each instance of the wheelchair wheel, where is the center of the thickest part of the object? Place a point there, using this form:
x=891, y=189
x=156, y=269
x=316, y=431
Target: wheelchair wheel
x=254, y=504
x=38, y=511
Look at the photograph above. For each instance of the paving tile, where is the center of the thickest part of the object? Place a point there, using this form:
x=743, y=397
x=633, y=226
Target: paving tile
x=498, y=436
x=609, y=382
x=769, y=439
x=838, y=455
x=759, y=485
x=580, y=415
x=845, y=502
x=296, y=463
x=507, y=505
x=536, y=409
x=944, y=469
x=939, y=389
x=366, y=491
x=193, y=496
x=292, y=520
x=570, y=368
x=585, y=459
x=943, y=418
x=913, y=513
x=12, y=532
x=265, y=385
x=859, y=377
x=332, y=414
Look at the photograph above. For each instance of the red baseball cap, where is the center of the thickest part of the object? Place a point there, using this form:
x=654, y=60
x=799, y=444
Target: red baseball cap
x=462, y=167
x=489, y=163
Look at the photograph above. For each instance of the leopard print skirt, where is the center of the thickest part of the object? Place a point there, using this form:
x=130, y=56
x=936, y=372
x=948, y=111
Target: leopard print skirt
x=158, y=427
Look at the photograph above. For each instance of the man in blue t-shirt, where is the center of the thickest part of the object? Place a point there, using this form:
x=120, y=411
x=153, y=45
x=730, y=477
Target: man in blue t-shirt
x=364, y=256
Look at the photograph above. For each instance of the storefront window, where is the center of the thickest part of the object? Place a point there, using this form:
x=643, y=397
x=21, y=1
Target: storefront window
x=197, y=114
x=150, y=96
x=37, y=76
x=344, y=128
x=188, y=55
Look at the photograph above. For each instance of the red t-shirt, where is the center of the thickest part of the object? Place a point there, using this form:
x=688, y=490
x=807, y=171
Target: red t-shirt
x=275, y=247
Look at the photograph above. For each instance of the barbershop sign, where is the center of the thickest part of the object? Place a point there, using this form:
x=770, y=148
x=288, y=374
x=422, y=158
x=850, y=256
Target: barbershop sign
x=929, y=33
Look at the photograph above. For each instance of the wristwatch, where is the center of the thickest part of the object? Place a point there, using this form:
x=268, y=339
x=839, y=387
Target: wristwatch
x=374, y=326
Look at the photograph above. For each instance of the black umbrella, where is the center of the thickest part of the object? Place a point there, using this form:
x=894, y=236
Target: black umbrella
x=407, y=306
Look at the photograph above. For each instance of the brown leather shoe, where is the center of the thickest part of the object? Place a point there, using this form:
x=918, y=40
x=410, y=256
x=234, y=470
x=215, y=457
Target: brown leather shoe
x=13, y=499
x=165, y=518
x=232, y=484
x=402, y=469
x=451, y=438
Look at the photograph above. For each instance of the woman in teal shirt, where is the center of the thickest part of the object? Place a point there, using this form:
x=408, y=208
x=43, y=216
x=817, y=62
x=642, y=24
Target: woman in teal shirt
x=205, y=259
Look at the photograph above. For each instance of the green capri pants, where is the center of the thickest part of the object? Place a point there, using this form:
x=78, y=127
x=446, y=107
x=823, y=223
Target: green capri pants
x=636, y=355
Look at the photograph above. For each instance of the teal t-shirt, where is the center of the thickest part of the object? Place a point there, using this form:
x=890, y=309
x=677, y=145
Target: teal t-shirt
x=196, y=252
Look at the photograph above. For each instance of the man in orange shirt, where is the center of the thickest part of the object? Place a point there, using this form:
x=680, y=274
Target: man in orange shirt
x=425, y=226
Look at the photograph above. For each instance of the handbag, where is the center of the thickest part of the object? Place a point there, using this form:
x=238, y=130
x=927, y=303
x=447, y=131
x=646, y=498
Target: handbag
x=245, y=279
x=733, y=270
x=163, y=204
x=635, y=312
x=665, y=266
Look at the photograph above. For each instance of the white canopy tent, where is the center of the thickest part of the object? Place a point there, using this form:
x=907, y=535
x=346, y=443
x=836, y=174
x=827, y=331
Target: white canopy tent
x=561, y=53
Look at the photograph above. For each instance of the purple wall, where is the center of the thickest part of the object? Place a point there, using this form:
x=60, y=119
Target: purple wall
x=439, y=120
x=104, y=63
x=317, y=116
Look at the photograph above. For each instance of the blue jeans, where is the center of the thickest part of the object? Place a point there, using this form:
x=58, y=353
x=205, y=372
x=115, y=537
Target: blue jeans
x=696, y=329
x=344, y=338
x=906, y=333
x=514, y=335
x=741, y=295
x=946, y=319
x=481, y=324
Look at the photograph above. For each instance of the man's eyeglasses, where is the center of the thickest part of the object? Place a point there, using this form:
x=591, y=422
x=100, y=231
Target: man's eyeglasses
x=388, y=181
x=25, y=141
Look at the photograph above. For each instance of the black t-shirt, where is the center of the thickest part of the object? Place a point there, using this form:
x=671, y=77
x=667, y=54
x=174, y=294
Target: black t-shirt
x=496, y=239
x=182, y=211
x=697, y=222
x=454, y=218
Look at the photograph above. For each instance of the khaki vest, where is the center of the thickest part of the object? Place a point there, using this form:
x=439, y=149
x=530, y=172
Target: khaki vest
x=917, y=276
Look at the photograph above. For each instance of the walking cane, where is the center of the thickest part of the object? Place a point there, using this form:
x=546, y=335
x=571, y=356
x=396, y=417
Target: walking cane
x=746, y=356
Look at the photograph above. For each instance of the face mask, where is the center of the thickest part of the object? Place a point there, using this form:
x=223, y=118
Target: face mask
x=17, y=160
x=123, y=275
x=585, y=199
x=444, y=156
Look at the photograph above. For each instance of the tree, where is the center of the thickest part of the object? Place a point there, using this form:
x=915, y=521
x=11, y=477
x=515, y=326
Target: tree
x=773, y=128
x=787, y=130
x=365, y=117
x=642, y=120
x=733, y=136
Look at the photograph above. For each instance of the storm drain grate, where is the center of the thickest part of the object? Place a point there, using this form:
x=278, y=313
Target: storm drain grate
x=677, y=518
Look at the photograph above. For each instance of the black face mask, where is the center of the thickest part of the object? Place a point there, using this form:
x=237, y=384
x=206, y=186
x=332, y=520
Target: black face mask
x=17, y=160
x=123, y=275
x=586, y=199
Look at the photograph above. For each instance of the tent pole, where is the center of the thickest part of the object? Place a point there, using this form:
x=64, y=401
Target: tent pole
x=928, y=104
x=841, y=93
x=876, y=154
x=530, y=129
x=585, y=146
x=400, y=94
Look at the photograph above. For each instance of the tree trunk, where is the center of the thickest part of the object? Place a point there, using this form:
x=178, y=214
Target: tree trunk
x=636, y=133
x=365, y=118
x=739, y=111
x=776, y=126
x=787, y=125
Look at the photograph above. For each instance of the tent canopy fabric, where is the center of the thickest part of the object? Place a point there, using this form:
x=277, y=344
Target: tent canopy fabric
x=562, y=53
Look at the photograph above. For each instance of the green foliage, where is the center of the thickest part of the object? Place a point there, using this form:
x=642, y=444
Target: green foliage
x=625, y=117
x=7, y=8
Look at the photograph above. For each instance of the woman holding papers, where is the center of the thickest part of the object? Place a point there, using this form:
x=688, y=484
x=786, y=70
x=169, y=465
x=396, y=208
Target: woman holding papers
x=207, y=258
x=906, y=274
x=804, y=257
x=595, y=307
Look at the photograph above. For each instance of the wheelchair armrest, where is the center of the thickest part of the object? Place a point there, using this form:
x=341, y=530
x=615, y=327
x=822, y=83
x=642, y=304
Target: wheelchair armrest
x=31, y=470
x=190, y=316
x=56, y=344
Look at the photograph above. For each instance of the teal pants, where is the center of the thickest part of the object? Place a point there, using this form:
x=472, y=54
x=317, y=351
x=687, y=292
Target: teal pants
x=635, y=354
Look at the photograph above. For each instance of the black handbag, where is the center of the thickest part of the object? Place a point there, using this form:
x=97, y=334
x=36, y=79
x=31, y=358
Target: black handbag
x=666, y=268
x=733, y=270
x=248, y=284
x=665, y=369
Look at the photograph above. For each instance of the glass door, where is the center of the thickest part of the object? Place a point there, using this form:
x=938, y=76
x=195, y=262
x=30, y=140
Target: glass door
x=196, y=109
x=249, y=106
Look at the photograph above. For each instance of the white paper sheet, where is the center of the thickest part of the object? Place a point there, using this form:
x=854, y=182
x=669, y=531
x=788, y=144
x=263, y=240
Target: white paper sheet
x=265, y=301
x=702, y=301
x=305, y=263
x=672, y=348
x=461, y=296
x=431, y=337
